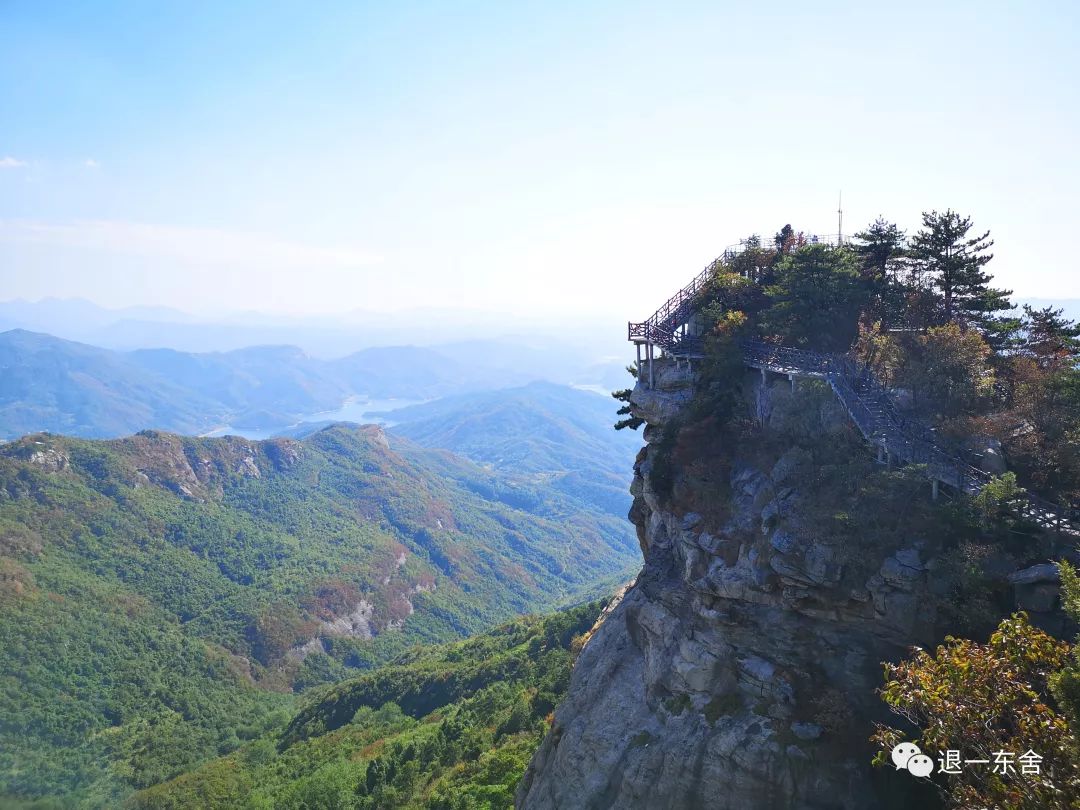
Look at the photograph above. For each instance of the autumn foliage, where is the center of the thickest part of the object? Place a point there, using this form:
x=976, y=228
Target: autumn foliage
x=1015, y=694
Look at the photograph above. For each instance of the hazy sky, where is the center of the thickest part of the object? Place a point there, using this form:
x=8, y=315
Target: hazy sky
x=540, y=157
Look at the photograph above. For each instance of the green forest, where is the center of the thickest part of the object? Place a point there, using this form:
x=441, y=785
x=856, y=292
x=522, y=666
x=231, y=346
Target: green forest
x=163, y=599
x=445, y=727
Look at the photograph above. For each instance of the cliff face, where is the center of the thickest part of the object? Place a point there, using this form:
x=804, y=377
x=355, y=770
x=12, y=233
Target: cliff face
x=740, y=669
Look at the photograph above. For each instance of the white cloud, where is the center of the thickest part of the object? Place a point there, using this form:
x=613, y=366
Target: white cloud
x=90, y=163
x=196, y=247
x=8, y=162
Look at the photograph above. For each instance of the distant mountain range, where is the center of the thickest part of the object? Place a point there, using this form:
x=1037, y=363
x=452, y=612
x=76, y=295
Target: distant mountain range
x=541, y=347
x=545, y=440
x=64, y=387
x=55, y=385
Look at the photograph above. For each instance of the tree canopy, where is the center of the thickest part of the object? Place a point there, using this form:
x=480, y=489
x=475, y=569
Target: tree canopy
x=951, y=262
x=815, y=299
x=1016, y=695
x=922, y=312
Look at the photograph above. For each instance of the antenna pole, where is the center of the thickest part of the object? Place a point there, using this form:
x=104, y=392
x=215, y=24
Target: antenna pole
x=840, y=220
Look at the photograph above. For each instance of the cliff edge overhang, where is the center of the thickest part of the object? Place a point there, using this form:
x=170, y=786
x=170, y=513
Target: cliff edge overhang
x=741, y=669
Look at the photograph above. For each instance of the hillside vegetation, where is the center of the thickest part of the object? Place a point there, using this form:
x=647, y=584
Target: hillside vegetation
x=163, y=596
x=440, y=727
x=540, y=432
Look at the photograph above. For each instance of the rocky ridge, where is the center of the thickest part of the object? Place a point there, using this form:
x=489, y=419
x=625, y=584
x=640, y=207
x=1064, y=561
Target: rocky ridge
x=740, y=669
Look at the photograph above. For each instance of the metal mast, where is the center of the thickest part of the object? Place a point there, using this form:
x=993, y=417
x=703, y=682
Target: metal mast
x=840, y=219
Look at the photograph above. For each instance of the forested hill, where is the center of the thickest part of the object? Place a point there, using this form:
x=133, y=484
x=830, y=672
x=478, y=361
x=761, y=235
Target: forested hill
x=542, y=431
x=440, y=727
x=154, y=589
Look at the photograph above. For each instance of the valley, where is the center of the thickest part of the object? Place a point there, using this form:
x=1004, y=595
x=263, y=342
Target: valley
x=186, y=587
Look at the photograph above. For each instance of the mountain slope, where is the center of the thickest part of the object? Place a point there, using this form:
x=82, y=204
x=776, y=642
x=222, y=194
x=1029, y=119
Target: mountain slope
x=414, y=372
x=448, y=726
x=275, y=379
x=64, y=387
x=541, y=431
x=148, y=579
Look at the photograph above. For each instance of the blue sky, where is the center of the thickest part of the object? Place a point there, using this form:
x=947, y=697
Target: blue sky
x=550, y=158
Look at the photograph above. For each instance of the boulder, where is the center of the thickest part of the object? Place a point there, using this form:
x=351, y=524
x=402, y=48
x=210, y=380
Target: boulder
x=986, y=454
x=806, y=731
x=903, y=569
x=1036, y=574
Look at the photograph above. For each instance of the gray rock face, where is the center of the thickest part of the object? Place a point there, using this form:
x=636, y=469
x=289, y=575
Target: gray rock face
x=1044, y=573
x=50, y=459
x=248, y=468
x=1037, y=588
x=987, y=454
x=672, y=389
x=740, y=670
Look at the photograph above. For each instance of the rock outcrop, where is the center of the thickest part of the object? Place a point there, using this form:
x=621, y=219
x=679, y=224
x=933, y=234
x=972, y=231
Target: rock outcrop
x=740, y=669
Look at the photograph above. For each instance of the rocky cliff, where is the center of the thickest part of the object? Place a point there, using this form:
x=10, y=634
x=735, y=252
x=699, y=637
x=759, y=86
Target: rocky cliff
x=740, y=669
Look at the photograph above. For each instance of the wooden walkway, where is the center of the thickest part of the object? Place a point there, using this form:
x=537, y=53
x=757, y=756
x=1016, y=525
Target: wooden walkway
x=669, y=327
x=868, y=403
x=870, y=406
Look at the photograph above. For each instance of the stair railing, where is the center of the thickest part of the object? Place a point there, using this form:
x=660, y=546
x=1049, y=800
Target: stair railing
x=871, y=407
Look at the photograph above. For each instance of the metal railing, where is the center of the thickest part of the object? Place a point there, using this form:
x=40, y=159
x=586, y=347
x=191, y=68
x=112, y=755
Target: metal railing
x=662, y=327
x=769, y=243
x=866, y=400
x=871, y=407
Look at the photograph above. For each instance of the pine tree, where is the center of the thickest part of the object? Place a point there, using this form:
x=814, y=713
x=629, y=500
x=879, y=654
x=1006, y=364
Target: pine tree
x=953, y=262
x=376, y=775
x=879, y=248
x=1051, y=340
x=816, y=299
x=632, y=422
x=880, y=242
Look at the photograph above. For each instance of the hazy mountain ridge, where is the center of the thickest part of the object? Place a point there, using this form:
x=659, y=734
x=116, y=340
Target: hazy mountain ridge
x=545, y=342
x=59, y=386
x=51, y=384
